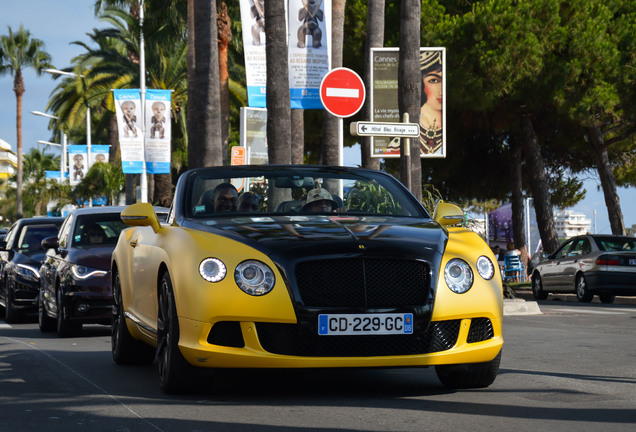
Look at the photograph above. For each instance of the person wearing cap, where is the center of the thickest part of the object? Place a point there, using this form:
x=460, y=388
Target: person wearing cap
x=319, y=200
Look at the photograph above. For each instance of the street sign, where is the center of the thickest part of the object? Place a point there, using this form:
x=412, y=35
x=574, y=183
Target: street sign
x=342, y=92
x=406, y=130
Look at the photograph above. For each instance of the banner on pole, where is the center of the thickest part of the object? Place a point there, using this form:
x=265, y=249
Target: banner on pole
x=384, y=101
x=99, y=153
x=158, y=131
x=78, y=163
x=131, y=141
x=309, y=50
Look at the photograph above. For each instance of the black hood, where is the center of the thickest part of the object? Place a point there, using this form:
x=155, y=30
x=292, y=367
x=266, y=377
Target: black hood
x=295, y=237
x=95, y=257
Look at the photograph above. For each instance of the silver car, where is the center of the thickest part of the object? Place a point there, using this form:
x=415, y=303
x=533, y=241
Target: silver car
x=587, y=265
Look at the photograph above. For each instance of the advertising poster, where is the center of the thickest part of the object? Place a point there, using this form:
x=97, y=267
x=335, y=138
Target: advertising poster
x=55, y=176
x=253, y=22
x=99, y=153
x=384, y=101
x=157, y=147
x=131, y=141
x=309, y=42
x=77, y=164
x=254, y=135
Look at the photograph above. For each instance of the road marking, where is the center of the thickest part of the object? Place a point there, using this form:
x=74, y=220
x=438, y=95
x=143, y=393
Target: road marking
x=597, y=312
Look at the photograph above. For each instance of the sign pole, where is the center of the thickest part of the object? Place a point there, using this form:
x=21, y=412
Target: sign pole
x=407, y=153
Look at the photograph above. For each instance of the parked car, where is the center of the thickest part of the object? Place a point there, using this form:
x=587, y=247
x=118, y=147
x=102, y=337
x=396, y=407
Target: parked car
x=326, y=267
x=21, y=255
x=588, y=265
x=75, y=285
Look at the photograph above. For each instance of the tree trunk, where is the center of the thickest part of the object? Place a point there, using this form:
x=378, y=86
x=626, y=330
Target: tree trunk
x=518, y=216
x=608, y=183
x=277, y=98
x=375, y=39
x=539, y=186
x=330, y=150
x=225, y=37
x=193, y=137
x=163, y=190
x=409, y=87
x=18, y=88
x=206, y=92
x=297, y=136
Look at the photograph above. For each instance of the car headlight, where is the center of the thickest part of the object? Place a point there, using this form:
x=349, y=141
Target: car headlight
x=27, y=272
x=82, y=272
x=485, y=267
x=458, y=275
x=254, y=277
x=212, y=270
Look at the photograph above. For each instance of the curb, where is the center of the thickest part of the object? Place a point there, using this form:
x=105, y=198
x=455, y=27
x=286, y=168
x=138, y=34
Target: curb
x=519, y=306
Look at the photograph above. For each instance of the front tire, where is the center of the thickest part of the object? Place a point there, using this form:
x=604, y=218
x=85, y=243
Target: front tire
x=125, y=349
x=65, y=328
x=537, y=288
x=469, y=375
x=176, y=375
x=11, y=314
x=583, y=293
x=45, y=322
x=607, y=298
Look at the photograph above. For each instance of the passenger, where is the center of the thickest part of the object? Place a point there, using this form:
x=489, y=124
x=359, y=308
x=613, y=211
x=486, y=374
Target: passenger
x=94, y=234
x=225, y=197
x=319, y=200
x=248, y=202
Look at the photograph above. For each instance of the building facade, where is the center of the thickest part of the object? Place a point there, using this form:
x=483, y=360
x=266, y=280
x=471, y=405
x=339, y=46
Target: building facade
x=569, y=223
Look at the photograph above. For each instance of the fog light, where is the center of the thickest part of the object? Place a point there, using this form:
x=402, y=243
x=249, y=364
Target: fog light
x=82, y=308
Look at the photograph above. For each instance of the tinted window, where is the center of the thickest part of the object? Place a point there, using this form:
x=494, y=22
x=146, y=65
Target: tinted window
x=97, y=229
x=32, y=235
x=616, y=243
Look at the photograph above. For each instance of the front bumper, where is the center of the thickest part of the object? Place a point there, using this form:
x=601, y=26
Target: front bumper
x=270, y=345
x=88, y=302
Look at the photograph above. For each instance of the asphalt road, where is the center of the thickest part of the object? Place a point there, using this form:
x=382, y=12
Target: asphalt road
x=569, y=369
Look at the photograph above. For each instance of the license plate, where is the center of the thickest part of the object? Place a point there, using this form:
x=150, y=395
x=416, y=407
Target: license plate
x=632, y=261
x=365, y=324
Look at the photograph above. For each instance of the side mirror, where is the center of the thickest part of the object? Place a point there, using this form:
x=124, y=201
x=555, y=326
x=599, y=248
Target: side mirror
x=141, y=214
x=50, y=243
x=448, y=214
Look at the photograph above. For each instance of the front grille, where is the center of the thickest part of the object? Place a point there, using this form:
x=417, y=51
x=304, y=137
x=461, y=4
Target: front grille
x=296, y=340
x=480, y=330
x=362, y=282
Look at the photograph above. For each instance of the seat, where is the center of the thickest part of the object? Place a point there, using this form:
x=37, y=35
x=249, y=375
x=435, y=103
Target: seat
x=514, y=270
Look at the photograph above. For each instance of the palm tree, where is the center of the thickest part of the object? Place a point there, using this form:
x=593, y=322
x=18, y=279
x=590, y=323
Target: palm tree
x=18, y=51
x=36, y=187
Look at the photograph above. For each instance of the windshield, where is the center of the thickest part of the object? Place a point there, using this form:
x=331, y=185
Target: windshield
x=32, y=235
x=213, y=193
x=616, y=243
x=97, y=229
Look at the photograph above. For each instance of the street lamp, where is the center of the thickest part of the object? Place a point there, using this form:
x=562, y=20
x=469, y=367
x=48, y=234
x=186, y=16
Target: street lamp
x=63, y=145
x=88, y=114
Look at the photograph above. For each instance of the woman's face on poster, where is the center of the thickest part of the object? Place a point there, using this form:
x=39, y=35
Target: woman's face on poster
x=432, y=83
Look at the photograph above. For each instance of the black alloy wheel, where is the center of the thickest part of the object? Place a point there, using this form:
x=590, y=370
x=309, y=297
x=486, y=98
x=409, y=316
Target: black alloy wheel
x=11, y=314
x=65, y=327
x=45, y=322
x=125, y=349
x=607, y=298
x=176, y=375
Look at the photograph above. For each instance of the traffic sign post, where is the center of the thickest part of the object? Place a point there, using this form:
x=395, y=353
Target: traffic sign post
x=342, y=92
x=405, y=130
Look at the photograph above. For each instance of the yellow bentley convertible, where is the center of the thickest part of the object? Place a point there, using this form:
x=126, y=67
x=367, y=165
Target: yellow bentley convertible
x=303, y=267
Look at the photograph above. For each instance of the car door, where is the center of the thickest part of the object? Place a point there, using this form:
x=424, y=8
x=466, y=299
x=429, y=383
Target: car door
x=6, y=255
x=570, y=265
x=144, y=275
x=551, y=269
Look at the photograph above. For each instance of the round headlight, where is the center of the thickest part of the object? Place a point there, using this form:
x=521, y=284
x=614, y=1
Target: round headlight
x=212, y=269
x=458, y=275
x=485, y=267
x=254, y=277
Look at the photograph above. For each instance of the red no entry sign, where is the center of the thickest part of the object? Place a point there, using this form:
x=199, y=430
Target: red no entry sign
x=342, y=92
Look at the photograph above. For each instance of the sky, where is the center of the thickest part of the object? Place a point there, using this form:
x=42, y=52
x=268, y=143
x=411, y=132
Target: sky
x=58, y=23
